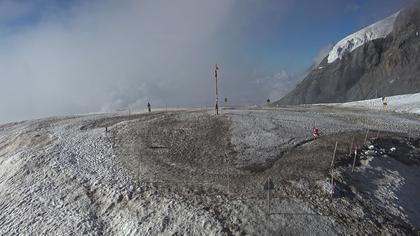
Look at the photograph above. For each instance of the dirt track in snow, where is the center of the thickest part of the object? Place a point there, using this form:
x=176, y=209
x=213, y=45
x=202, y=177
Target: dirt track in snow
x=190, y=172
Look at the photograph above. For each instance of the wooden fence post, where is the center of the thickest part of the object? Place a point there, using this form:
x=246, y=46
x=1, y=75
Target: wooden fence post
x=354, y=159
x=367, y=133
x=351, y=146
x=332, y=183
x=335, y=150
x=332, y=170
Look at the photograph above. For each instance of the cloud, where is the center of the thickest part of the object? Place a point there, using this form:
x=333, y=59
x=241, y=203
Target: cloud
x=278, y=85
x=66, y=57
x=322, y=53
x=105, y=55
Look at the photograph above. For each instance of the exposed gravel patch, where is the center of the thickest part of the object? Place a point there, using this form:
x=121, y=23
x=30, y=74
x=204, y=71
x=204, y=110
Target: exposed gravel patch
x=192, y=173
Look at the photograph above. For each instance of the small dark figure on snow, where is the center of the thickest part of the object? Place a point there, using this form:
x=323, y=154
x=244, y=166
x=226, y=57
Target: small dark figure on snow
x=149, y=107
x=384, y=101
x=217, y=109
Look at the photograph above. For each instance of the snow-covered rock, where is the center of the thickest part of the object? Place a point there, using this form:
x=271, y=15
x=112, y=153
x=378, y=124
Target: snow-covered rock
x=377, y=30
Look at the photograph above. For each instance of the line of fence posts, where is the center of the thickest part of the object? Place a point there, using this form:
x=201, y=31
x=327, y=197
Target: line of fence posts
x=350, y=151
x=268, y=185
x=333, y=159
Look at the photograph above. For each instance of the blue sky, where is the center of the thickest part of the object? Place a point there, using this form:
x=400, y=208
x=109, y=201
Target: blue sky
x=102, y=55
x=290, y=36
x=273, y=30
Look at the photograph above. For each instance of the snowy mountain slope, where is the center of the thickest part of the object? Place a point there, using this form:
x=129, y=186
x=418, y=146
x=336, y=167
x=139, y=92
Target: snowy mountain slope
x=377, y=30
x=402, y=103
x=368, y=67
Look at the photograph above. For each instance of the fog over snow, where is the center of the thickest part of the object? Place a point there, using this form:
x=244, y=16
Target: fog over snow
x=70, y=57
x=107, y=55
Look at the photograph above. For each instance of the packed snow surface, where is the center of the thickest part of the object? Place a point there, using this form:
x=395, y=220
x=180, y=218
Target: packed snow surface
x=190, y=172
x=377, y=30
x=409, y=103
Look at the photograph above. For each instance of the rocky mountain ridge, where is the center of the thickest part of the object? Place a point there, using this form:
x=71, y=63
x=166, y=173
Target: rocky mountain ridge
x=384, y=66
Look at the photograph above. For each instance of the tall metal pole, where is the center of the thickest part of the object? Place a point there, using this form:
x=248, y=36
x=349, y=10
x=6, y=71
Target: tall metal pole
x=217, y=92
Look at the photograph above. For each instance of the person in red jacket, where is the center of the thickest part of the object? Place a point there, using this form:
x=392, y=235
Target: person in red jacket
x=315, y=132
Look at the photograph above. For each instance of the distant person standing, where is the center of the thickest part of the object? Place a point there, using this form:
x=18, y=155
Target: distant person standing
x=385, y=104
x=149, y=107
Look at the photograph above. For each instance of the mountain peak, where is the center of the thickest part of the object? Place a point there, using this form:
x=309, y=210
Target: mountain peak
x=377, y=30
x=379, y=60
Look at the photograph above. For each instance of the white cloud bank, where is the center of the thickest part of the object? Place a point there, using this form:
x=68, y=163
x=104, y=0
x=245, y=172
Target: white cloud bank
x=108, y=55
